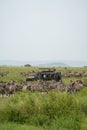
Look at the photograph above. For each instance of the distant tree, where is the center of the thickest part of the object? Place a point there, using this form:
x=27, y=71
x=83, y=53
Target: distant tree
x=27, y=65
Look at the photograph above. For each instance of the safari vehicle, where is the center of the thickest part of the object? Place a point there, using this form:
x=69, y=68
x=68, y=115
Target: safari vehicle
x=45, y=74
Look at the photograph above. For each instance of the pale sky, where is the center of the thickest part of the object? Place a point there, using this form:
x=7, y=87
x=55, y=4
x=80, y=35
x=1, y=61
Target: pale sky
x=32, y=30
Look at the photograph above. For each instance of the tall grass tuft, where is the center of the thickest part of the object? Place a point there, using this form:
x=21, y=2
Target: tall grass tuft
x=54, y=109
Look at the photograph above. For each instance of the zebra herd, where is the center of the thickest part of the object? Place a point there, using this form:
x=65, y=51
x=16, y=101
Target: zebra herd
x=9, y=88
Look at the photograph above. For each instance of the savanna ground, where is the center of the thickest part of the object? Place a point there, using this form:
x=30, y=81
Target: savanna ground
x=55, y=110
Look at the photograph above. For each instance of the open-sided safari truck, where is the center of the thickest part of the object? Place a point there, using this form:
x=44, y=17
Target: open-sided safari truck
x=45, y=74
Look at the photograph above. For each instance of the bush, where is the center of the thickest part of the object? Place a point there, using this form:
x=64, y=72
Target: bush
x=27, y=65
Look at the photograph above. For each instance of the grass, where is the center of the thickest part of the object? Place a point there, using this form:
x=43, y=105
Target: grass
x=41, y=111
x=15, y=126
x=55, y=110
x=14, y=72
